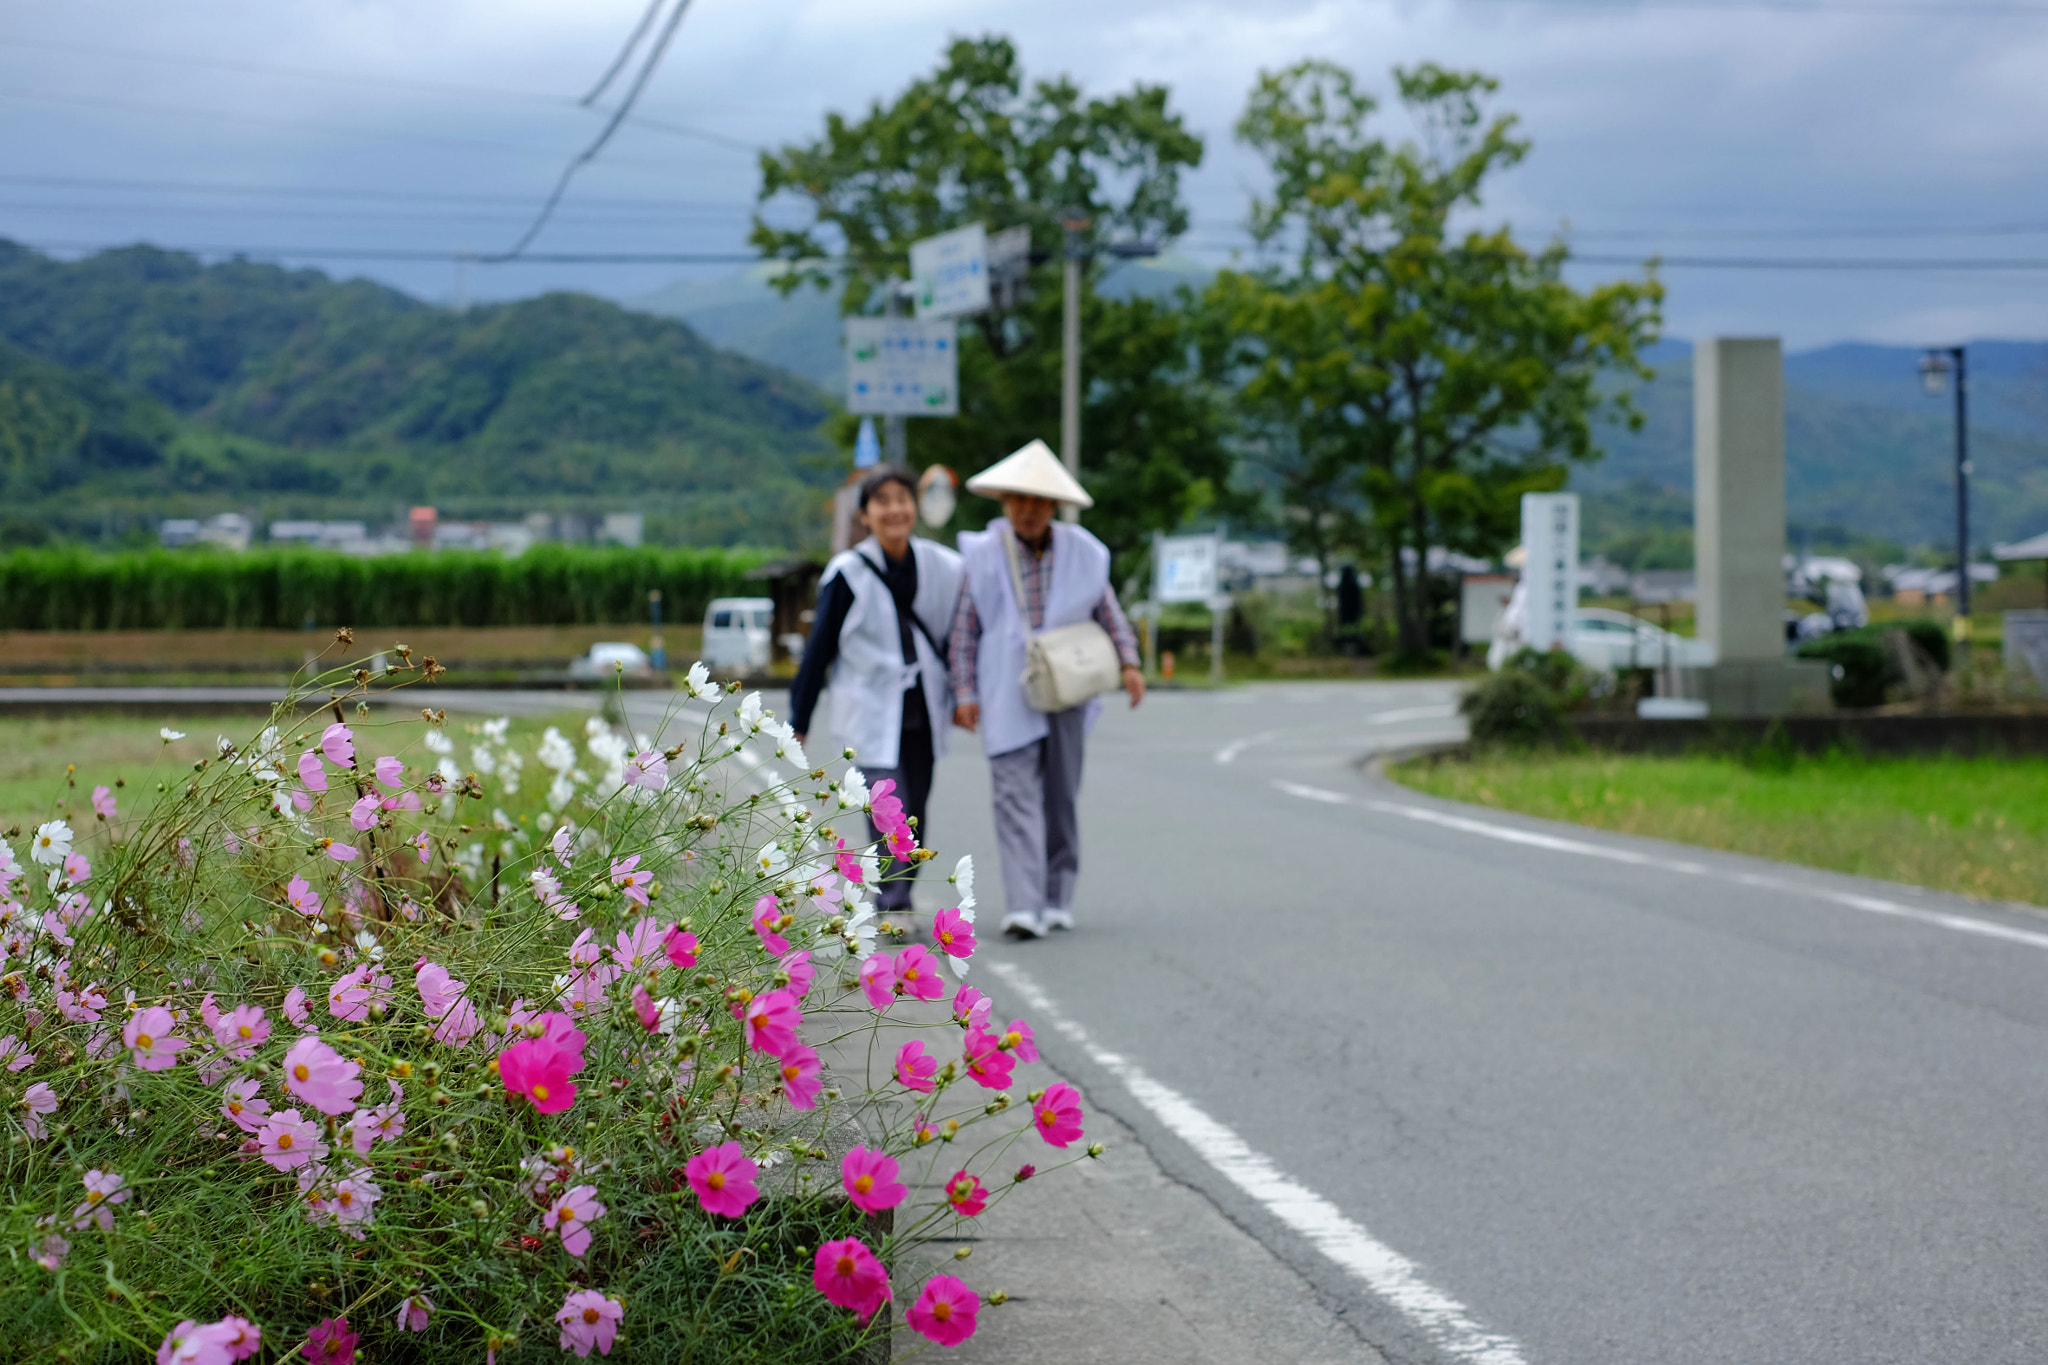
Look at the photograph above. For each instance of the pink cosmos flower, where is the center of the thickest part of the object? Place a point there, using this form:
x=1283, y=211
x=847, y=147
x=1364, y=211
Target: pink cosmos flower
x=82, y=1006
x=311, y=773
x=971, y=1007
x=587, y=988
x=209, y=1012
x=632, y=884
x=303, y=897
x=301, y=802
x=1057, y=1114
x=770, y=1022
x=322, y=1077
x=242, y=1337
x=768, y=918
x=589, y=1319
x=424, y=843
x=966, y=1194
x=244, y=1105
x=363, y=814
x=352, y=994
x=680, y=945
x=848, y=863
x=190, y=1344
x=564, y=842
x=103, y=803
x=917, y=974
x=402, y=801
x=647, y=769
x=51, y=1253
x=415, y=1312
x=987, y=1064
x=801, y=974
x=15, y=1054
x=460, y=1024
x=848, y=1274
x=870, y=1180
x=878, y=981
x=338, y=742
x=295, y=1007
x=571, y=1215
x=645, y=1010
x=586, y=951
x=800, y=1078
x=240, y=1031
x=384, y=1121
x=1018, y=1038
x=547, y=889
x=147, y=1038
x=39, y=1100
x=723, y=1178
x=390, y=772
x=102, y=1191
x=944, y=1311
x=330, y=1342
x=541, y=1068
x=341, y=853
x=353, y=1197
x=921, y=1131
x=57, y=927
x=953, y=934
x=915, y=1069
x=438, y=990
x=900, y=842
x=636, y=951
x=77, y=869
x=884, y=806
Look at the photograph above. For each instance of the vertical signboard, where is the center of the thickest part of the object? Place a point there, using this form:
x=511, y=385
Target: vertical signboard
x=1550, y=539
x=902, y=367
x=1184, y=568
x=949, y=273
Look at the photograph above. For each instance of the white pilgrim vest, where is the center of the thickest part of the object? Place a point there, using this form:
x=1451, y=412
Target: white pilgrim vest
x=869, y=676
x=1080, y=575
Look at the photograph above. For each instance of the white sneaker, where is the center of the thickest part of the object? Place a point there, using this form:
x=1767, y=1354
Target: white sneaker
x=1022, y=924
x=1056, y=918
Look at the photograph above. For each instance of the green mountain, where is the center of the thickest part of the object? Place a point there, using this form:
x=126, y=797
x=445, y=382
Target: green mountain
x=142, y=383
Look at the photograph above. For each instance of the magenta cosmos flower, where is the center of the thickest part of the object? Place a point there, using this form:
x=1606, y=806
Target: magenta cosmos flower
x=288, y=1142
x=770, y=1021
x=322, y=1077
x=971, y=1007
x=878, y=981
x=541, y=1068
x=800, y=1079
x=768, y=918
x=330, y=1343
x=944, y=1311
x=801, y=973
x=571, y=1215
x=848, y=1274
x=723, y=1178
x=917, y=974
x=1018, y=1039
x=987, y=1064
x=914, y=1068
x=589, y=1319
x=870, y=1180
x=966, y=1194
x=680, y=945
x=953, y=934
x=1057, y=1114
x=149, y=1040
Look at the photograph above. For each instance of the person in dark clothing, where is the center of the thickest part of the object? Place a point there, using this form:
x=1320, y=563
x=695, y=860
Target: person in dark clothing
x=872, y=646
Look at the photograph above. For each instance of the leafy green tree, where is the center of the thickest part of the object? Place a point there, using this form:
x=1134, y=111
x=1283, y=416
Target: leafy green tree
x=974, y=142
x=1447, y=372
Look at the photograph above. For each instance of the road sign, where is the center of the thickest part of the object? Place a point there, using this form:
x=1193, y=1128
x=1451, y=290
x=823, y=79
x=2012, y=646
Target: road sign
x=902, y=367
x=1550, y=539
x=949, y=273
x=1184, y=568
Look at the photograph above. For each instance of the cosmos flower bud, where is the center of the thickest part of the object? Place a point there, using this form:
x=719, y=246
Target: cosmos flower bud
x=963, y=1253
x=1036, y=1095
x=999, y=1297
x=1095, y=1149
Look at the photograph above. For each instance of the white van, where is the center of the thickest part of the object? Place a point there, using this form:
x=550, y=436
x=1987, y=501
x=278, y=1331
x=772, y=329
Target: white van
x=736, y=634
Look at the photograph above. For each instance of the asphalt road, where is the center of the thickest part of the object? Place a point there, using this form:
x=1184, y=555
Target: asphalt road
x=1503, y=1091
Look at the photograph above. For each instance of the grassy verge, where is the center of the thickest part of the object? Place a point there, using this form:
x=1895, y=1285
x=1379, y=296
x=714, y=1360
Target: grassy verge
x=1975, y=826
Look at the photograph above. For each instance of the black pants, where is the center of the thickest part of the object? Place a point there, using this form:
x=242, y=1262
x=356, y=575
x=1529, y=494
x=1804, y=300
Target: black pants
x=913, y=777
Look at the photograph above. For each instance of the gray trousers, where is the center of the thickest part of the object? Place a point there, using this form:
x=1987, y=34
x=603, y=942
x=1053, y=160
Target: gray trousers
x=1037, y=830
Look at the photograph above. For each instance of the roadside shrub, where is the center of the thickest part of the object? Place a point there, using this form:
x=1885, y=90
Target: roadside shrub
x=1863, y=671
x=434, y=1058
x=1524, y=704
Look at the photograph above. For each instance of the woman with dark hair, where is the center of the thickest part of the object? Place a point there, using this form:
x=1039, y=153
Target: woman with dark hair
x=874, y=644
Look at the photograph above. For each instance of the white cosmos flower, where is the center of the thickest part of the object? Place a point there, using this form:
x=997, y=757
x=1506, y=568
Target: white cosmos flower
x=853, y=790
x=367, y=941
x=788, y=749
x=772, y=861
x=450, y=773
x=494, y=730
x=439, y=743
x=169, y=734
x=963, y=878
x=858, y=938
x=267, y=751
x=698, y=680
x=750, y=710
x=560, y=792
x=556, y=752
x=52, y=843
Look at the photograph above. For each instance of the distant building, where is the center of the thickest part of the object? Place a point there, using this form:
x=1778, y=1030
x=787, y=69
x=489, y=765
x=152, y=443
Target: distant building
x=174, y=532
x=623, y=528
x=228, y=530
x=423, y=521
x=1664, y=585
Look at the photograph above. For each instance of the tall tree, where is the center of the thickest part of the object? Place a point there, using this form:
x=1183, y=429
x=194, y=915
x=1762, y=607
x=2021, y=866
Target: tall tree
x=1448, y=373
x=974, y=142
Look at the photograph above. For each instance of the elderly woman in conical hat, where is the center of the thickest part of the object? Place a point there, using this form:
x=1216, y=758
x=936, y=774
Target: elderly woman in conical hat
x=1027, y=573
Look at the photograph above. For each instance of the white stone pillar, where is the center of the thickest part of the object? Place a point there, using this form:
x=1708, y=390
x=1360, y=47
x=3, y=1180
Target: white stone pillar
x=1738, y=465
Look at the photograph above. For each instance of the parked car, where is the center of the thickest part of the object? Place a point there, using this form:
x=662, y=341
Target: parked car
x=611, y=657
x=1614, y=640
x=736, y=634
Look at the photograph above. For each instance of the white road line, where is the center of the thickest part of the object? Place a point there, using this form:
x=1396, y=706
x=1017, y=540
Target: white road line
x=1962, y=924
x=1413, y=713
x=1229, y=752
x=1386, y=1272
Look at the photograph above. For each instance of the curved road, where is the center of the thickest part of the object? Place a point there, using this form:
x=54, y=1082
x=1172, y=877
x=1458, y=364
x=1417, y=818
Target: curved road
x=1507, y=1091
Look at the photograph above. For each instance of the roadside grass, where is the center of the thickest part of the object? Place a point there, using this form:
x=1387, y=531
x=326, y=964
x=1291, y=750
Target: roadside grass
x=1977, y=826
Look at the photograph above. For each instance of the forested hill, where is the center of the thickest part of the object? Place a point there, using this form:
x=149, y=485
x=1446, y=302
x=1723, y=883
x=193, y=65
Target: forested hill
x=143, y=382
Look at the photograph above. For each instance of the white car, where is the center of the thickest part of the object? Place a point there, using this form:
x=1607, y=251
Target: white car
x=609, y=658
x=1613, y=640
x=736, y=638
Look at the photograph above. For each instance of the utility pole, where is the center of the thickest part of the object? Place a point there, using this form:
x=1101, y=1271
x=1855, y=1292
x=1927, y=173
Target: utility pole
x=1934, y=368
x=1076, y=222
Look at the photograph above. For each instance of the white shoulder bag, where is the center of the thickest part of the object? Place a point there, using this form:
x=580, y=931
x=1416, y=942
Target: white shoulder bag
x=1066, y=665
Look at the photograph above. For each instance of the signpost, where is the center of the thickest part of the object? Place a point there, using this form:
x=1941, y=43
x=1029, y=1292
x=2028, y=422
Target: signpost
x=1188, y=569
x=1550, y=538
x=949, y=273
x=902, y=367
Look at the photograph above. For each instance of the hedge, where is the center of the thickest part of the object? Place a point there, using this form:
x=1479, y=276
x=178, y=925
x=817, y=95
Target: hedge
x=66, y=589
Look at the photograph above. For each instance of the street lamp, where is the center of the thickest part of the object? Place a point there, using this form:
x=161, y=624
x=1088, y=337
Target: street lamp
x=1935, y=365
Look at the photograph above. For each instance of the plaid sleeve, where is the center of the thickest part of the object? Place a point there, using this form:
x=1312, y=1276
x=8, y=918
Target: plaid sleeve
x=962, y=643
x=1110, y=617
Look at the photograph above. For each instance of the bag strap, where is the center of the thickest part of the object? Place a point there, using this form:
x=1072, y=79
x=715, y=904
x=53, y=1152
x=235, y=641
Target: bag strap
x=915, y=619
x=1017, y=581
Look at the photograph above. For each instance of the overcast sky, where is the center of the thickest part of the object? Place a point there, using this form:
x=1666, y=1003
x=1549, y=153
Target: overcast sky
x=1831, y=129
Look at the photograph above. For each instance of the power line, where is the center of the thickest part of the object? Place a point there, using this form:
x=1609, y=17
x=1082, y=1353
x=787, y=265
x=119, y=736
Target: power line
x=619, y=62
x=253, y=190
x=583, y=215
x=589, y=154
x=350, y=253
x=1975, y=9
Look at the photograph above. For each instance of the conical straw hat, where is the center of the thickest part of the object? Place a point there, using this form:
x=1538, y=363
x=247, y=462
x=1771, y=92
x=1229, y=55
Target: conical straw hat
x=1035, y=470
